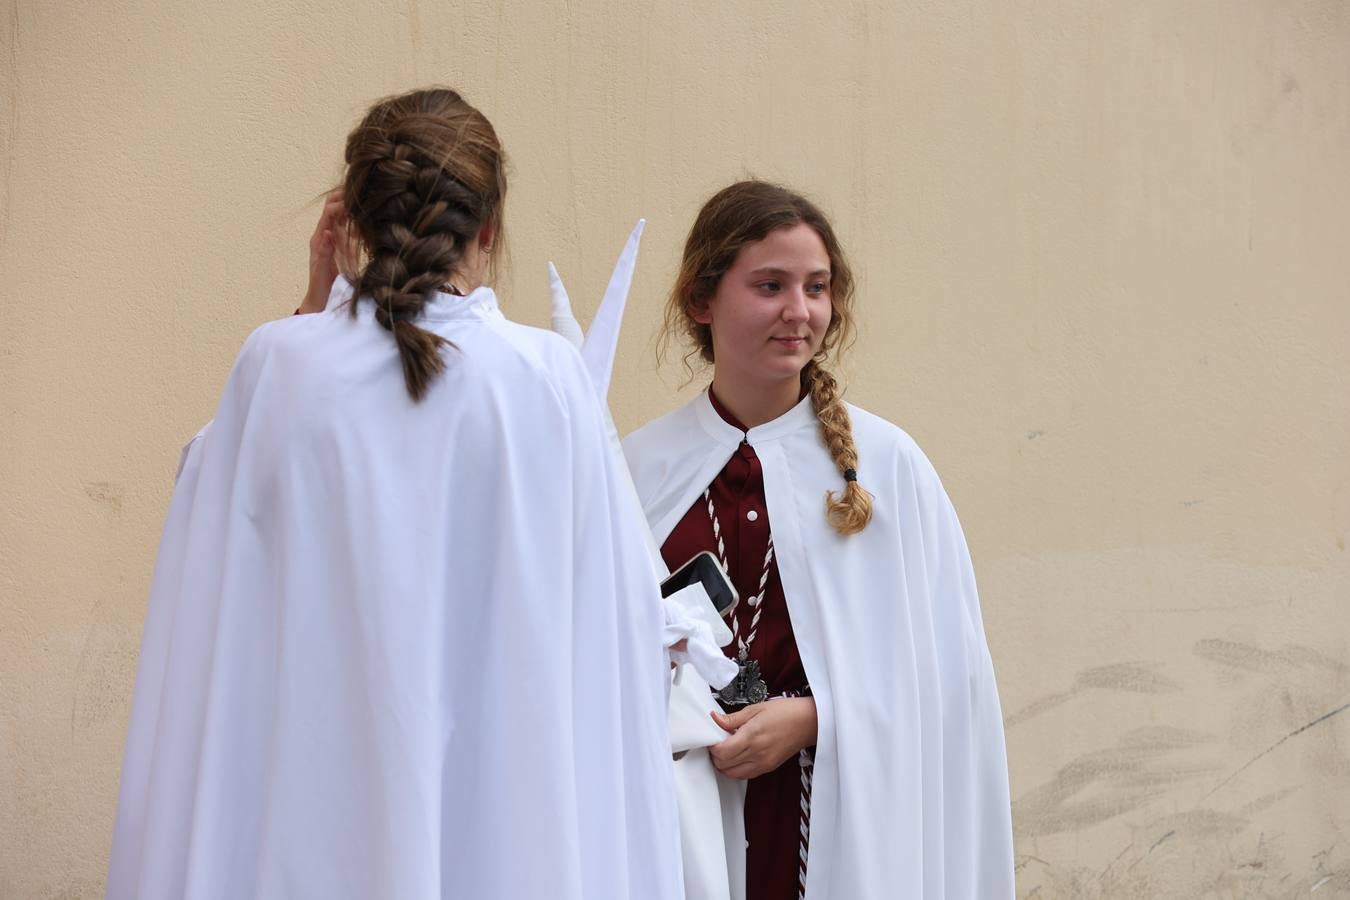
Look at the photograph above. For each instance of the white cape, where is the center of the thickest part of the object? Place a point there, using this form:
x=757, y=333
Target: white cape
x=401, y=650
x=910, y=794
x=689, y=615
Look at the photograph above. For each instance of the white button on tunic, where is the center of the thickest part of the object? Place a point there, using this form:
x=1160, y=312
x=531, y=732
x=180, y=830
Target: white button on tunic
x=752, y=515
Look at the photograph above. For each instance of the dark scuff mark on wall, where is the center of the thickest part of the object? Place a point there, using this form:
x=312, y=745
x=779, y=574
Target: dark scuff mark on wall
x=1295, y=733
x=1106, y=783
x=1181, y=833
x=106, y=493
x=1132, y=677
x=1237, y=655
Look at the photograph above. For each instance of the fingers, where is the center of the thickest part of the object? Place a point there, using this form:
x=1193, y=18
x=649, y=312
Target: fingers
x=330, y=218
x=348, y=252
x=758, y=742
x=745, y=771
x=743, y=743
x=333, y=210
x=731, y=752
x=733, y=721
x=723, y=721
x=322, y=247
x=739, y=756
x=333, y=214
x=335, y=241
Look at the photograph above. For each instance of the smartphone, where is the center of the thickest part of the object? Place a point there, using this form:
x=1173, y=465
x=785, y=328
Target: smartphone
x=706, y=570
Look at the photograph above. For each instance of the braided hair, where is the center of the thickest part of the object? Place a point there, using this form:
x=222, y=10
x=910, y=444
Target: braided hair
x=742, y=214
x=425, y=176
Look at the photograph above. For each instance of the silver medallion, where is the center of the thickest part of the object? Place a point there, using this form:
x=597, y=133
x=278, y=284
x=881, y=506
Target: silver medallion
x=747, y=687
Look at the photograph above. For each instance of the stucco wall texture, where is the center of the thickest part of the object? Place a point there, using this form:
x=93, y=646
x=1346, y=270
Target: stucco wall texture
x=1104, y=268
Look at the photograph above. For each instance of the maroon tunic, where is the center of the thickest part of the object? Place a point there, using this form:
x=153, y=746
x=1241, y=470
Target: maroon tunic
x=773, y=800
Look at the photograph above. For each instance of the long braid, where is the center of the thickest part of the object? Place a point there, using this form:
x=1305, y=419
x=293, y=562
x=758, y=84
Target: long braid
x=416, y=215
x=850, y=511
x=736, y=216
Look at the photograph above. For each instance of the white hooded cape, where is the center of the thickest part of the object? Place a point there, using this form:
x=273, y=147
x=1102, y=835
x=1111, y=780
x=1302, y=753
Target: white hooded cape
x=910, y=794
x=401, y=650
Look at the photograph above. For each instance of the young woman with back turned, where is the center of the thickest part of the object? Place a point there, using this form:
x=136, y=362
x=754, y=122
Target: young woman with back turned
x=865, y=733
x=403, y=642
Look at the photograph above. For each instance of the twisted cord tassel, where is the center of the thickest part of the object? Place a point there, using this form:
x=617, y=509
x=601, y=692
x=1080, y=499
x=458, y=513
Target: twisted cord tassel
x=808, y=768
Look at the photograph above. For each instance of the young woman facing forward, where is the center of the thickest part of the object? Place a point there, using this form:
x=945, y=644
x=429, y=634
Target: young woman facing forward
x=865, y=731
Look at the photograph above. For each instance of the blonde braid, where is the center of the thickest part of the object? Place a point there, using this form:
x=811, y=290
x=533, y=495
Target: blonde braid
x=849, y=512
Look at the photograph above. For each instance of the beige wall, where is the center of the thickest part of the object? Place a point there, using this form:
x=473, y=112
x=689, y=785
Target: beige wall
x=1105, y=263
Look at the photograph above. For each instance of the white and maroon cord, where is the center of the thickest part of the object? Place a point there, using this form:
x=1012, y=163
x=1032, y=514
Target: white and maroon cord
x=808, y=768
x=807, y=764
x=756, y=602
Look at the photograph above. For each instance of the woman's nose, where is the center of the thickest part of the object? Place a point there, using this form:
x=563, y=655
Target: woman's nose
x=794, y=305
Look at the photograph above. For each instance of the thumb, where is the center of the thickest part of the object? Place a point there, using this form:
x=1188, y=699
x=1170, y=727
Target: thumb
x=733, y=721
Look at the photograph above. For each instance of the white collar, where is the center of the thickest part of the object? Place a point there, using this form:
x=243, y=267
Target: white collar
x=481, y=302
x=803, y=415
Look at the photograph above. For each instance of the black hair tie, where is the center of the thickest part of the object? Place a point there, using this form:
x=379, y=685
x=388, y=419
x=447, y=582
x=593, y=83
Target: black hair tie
x=850, y=474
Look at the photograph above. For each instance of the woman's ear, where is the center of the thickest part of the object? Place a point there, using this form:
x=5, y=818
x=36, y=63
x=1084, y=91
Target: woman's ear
x=487, y=236
x=699, y=311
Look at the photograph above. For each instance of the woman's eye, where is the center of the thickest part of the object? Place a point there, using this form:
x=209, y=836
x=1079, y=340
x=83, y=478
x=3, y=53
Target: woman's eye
x=770, y=286
x=819, y=287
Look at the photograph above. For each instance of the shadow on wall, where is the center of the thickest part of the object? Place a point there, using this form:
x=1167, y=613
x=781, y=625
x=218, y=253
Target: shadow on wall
x=1200, y=813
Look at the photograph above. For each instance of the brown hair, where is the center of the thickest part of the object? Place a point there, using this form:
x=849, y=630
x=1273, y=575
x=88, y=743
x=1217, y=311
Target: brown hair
x=742, y=214
x=425, y=174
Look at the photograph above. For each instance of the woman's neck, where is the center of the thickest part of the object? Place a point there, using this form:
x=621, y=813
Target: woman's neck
x=471, y=273
x=463, y=284
x=755, y=404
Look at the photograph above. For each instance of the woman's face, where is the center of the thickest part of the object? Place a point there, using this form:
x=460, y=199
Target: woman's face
x=772, y=307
